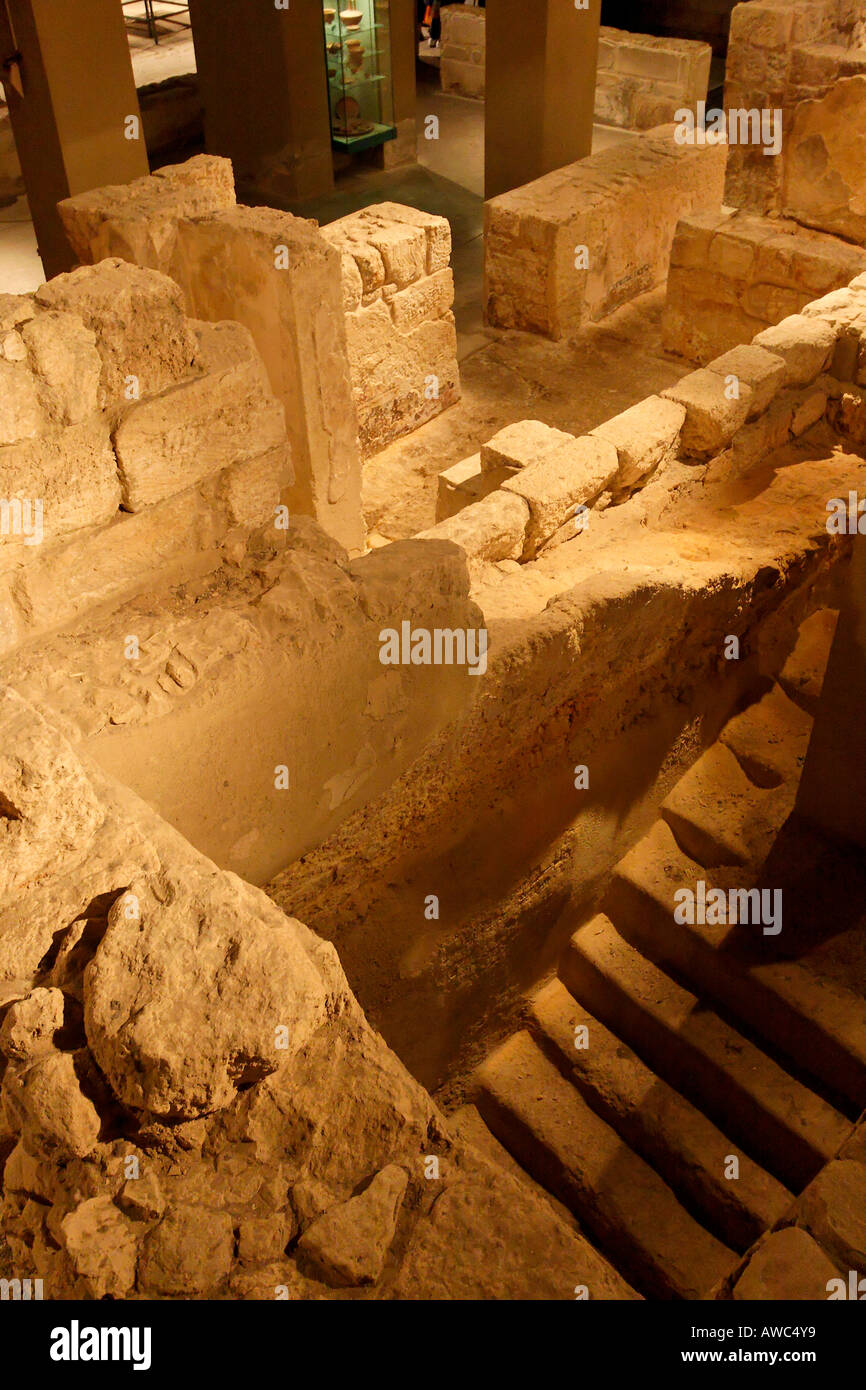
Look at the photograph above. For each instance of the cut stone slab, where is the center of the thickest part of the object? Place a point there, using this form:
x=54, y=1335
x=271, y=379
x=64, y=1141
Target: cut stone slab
x=757, y=368
x=684, y=1147
x=823, y=178
x=644, y=436
x=788, y=1266
x=170, y=442
x=626, y=1207
x=804, y=344
x=571, y=476
x=712, y=416
x=349, y=1244
x=833, y=1209
x=492, y=529
x=521, y=444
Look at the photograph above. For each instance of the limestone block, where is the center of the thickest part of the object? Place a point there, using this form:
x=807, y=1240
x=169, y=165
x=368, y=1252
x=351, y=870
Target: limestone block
x=171, y=441
x=30, y=1025
x=188, y=1254
x=571, y=476
x=137, y=221
x=65, y=360
x=755, y=367
x=644, y=436
x=805, y=345
x=48, y=812
x=492, y=529
x=731, y=280
x=176, y=538
x=101, y=1245
x=430, y=297
x=21, y=414
x=186, y=996
x=712, y=417
x=349, y=1244
x=138, y=319
x=824, y=172
x=521, y=444
x=787, y=1264
x=464, y=483
x=70, y=475
x=15, y=310
x=252, y=489
x=280, y=277
x=403, y=249
x=833, y=1209
x=577, y=243
x=57, y=1117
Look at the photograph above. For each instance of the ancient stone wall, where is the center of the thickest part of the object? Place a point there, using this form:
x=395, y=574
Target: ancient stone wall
x=643, y=81
x=398, y=290
x=579, y=242
x=807, y=59
x=464, y=50
x=734, y=273
x=532, y=487
x=134, y=442
x=268, y=270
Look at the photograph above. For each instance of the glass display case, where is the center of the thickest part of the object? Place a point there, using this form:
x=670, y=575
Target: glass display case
x=358, y=54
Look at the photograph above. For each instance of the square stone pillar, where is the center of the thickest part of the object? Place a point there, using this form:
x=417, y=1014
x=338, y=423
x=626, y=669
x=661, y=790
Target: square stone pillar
x=541, y=70
x=264, y=89
x=404, y=50
x=72, y=105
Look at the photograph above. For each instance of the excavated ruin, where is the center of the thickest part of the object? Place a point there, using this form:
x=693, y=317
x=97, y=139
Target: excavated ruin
x=354, y=886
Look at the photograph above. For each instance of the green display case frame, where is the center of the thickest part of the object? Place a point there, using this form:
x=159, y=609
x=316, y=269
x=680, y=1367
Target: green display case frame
x=358, y=63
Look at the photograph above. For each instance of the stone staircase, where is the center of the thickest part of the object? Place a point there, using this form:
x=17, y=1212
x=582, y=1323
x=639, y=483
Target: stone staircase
x=678, y=1083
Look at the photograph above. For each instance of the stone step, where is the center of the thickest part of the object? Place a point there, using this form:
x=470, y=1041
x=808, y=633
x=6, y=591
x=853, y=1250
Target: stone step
x=622, y=1204
x=683, y=1146
x=778, y=1120
x=817, y=1023
x=769, y=739
x=802, y=676
x=718, y=816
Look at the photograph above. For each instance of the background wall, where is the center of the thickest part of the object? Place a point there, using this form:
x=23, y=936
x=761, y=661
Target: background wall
x=684, y=19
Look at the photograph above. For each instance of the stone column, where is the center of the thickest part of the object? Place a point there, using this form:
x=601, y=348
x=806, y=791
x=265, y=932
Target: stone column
x=541, y=68
x=263, y=85
x=404, y=149
x=71, y=93
x=832, y=793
